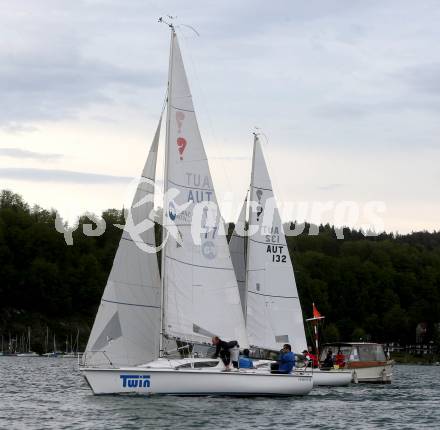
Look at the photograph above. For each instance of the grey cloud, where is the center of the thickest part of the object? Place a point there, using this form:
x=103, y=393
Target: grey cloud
x=362, y=109
x=342, y=110
x=60, y=176
x=54, y=88
x=25, y=154
x=424, y=78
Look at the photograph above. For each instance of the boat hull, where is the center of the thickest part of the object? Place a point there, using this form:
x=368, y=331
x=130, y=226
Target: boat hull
x=135, y=380
x=334, y=378
x=379, y=373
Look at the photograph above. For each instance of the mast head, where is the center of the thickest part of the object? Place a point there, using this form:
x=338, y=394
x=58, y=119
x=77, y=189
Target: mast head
x=168, y=23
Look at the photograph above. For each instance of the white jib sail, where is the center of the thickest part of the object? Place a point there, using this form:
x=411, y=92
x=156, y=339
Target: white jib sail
x=237, y=248
x=201, y=296
x=127, y=325
x=274, y=315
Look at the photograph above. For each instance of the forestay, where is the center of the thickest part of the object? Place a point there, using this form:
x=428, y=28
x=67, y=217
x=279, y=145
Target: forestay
x=274, y=314
x=201, y=296
x=127, y=325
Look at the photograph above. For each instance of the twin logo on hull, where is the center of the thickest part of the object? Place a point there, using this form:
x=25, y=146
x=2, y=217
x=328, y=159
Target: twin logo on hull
x=135, y=381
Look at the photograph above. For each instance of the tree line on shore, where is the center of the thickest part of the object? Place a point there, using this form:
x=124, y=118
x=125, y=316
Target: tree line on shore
x=376, y=288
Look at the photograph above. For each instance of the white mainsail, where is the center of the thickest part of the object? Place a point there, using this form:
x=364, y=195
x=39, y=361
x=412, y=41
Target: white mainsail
x=273, y=310
x=201, y=296
x=127, y=326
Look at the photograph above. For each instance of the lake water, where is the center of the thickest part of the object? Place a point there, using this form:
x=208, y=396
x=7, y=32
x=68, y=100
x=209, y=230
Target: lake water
x=49, y=393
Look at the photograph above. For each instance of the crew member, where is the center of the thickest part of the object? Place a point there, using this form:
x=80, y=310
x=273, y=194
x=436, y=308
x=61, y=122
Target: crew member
x=312, y=358
x=285, y=362
x=340, y=359
x=223, y=349
x=245, y=362
x=328, y=362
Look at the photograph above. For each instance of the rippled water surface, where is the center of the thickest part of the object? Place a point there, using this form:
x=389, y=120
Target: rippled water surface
x=49, y=393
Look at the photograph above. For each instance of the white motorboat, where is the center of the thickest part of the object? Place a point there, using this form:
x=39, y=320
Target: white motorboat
x=142, y=314
x=366, y=360
x=265, y=276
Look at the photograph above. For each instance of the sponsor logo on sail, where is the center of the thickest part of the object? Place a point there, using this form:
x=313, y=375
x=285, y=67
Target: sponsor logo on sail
x=208, y=250
x=172, y=211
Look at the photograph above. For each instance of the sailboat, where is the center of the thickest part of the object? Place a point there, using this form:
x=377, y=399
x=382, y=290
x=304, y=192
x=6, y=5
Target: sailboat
x=264, y=271
x=143, y=315
x=28, y=352
x=73, y=352
x=55, y=353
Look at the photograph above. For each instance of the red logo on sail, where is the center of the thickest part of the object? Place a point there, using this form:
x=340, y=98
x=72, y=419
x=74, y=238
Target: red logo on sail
x=180, y=116
x=181, y=145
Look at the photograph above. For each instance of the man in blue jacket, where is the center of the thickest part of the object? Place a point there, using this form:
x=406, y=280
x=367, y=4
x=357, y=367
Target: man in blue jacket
x=245, y=362
x=285, y=362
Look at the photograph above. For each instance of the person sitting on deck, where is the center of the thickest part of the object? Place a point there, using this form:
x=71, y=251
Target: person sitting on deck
x=285, y=362
x=245, y=362
x=223, y=349
x=312, y=358
x=340, y=359
x=328, y=362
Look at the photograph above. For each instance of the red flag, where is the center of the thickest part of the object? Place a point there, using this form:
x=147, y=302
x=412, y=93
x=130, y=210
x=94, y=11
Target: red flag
x=316, y=314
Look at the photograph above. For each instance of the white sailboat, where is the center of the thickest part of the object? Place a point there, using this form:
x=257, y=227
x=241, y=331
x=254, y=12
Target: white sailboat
x=142, y=314
x=28, y=352
x=73, y=352
x=266, y=279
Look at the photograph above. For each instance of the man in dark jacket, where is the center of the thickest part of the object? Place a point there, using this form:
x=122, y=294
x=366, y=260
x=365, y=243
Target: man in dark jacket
x=222, y=349
x=328, y=362
x=285, y=362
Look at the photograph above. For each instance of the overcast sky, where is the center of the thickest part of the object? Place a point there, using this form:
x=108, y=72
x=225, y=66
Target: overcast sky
x=347, y=93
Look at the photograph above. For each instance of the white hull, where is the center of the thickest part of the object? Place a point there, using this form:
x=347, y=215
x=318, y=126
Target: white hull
x=27, y=354
x=334, y=378
x=382, y=374
x=195, y=382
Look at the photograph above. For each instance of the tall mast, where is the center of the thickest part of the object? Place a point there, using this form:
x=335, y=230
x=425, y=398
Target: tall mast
x=250, y=223
x=165, y=181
